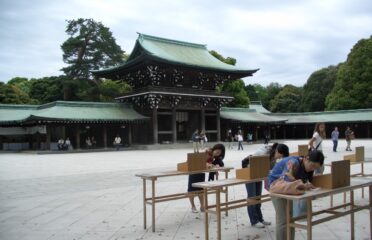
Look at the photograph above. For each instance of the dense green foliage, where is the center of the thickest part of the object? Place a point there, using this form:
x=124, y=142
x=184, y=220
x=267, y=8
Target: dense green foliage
x=90, y=46
x=236, y=87
x=353, y=87
x=287, y=100
x=317, y=87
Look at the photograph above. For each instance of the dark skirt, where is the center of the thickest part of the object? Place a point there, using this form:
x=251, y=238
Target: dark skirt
x=194, y=178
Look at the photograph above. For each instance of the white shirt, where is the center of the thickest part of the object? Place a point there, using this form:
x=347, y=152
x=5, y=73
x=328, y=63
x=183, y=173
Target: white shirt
x=117, y=140
x=240, y=137
x=318, y=139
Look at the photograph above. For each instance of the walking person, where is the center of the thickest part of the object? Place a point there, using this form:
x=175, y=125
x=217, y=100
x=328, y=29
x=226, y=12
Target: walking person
x=334, y=135
x=240, y=141
x=348, y=136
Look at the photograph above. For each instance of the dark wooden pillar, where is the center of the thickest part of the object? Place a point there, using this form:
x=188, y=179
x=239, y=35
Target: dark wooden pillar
x=64, y=132
x=77, y=137
x=203, y=119
x=284, y=128
x=129, y=134
x=104, y=136
x=48, y=136
x=155, y=125
x=218, y=125
x=256, y=133
x=174, y=126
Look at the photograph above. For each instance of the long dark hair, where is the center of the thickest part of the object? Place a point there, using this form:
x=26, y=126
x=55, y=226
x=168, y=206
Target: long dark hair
x=220, y=147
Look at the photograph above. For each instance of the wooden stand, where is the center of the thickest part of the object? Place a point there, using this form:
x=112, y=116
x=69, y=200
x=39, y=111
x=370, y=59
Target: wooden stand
x=195, y=162
x=357, y=157
x=303, y=150
x=339, y=176
x=259, y=167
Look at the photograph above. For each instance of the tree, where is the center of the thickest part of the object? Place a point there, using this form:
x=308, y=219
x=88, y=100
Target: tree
x=251, y=92
x=317, y=87
x=269, y=93
x=90, y=46
x=110, y=89
x=353, y=87
x=47, y=89
x=236, y=87
x=13, y=94
x=287, y=100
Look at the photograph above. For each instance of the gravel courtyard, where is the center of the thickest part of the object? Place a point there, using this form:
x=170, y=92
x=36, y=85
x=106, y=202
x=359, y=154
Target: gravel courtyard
x=96, y=196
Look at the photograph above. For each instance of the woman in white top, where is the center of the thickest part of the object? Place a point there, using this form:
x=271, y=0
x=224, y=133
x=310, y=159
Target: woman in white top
x=316, y=141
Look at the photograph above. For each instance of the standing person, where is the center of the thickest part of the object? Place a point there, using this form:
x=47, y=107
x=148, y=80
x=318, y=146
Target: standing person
x=276, y=151
x=334, y=136
x=315, y=142
x=230, y=138
x=117, y=142
x=195, y=140
x=348, y=136
x=290, y=169
x=217, y=153
x=240, y=140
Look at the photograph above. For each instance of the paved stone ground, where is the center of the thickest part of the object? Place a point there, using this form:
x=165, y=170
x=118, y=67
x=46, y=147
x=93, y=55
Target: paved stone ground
x=96, y=196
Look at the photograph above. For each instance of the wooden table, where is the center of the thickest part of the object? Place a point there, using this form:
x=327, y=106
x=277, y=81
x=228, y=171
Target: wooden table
x=153, y=176
x=309, y=196
x=218, y=186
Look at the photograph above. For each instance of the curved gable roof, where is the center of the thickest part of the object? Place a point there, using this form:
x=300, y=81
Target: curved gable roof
x=174, y=52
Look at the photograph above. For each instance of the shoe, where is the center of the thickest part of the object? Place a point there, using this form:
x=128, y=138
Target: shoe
x=266, y=223
x=194, y=210
x=258, y=225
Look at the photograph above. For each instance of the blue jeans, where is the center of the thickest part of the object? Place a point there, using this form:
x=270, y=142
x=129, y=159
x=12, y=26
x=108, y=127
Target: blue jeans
x=335, y=143
x=240, y=145
x=254, y=211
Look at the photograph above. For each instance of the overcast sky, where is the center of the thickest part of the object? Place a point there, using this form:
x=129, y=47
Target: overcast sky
x=287, y=39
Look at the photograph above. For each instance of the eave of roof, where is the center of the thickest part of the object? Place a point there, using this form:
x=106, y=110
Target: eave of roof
x=249, y=115
x=357, y=115
x=71, y=111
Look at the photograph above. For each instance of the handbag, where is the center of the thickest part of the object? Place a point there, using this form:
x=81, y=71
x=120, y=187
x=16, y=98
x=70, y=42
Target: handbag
x=281, y=186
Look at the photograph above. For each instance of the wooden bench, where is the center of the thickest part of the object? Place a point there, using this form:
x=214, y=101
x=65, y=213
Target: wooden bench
x=218, y=206
x=154, y=198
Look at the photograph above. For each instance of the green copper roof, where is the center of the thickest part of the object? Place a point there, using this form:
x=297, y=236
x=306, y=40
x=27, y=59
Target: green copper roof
x=69, y=111
x=175, y=52
x=248, y=115
x=359, y=115
x=257, y=105
x=11, y=113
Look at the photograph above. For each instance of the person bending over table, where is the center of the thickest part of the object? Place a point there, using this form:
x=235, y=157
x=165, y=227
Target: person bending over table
x=290, y=169
x=216, y=155
x=275, y=151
